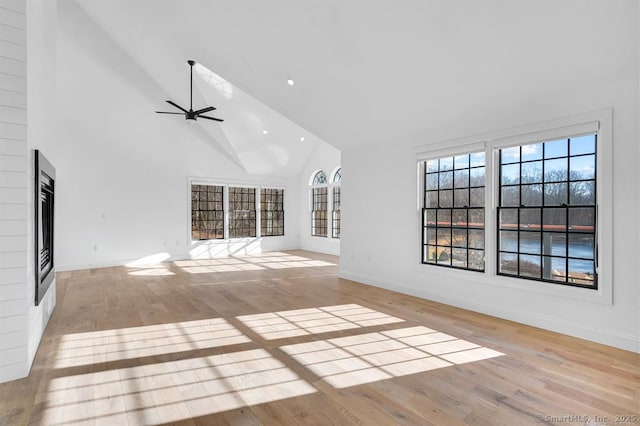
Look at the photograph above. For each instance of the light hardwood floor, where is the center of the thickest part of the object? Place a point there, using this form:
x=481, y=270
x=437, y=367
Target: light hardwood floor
x=279, y=339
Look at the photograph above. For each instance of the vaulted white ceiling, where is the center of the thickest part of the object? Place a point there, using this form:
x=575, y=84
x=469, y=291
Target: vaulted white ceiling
x=368, y=71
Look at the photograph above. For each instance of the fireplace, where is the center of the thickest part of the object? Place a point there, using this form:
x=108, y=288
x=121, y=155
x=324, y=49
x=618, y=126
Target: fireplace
x=45, y=176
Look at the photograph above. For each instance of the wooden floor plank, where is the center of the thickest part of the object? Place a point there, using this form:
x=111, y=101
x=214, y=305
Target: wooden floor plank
x=278, y=338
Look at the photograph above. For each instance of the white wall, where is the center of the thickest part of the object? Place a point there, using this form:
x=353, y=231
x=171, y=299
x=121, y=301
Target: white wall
x=382, y=179
x=326, y=158
x=41, y=101
x=22, y=82
x=13, y=191
x=122, y=169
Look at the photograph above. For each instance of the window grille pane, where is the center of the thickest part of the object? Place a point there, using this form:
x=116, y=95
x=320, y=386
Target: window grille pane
x=432, y=181
x=476, y=218
x=461, y=178
x=582, y=219
x=508, y=263
x=581, y=272
x=476, y=197
x=554, y=268
x=461, y=162
x=582, y=193
x=529, y=242
x=476, y=259
x=446, y=163
x=583, y=145
x=554, y=244
x=476, y=239
x=531, y=195
x=477, y=176
x=446, y=198
x=555, y=170
x=510, y=174
x=531, y=152
x=510, y=155
x=445, y=180
x=555, y=194
x=530, y=266
x=444, y=255
x=476, y=159
x=530, y=219
x=582, y=168
x=459, y=238
x=510, y=196
x=461, y=197
x=555, y=149
x=459, y=217
x=532, y=172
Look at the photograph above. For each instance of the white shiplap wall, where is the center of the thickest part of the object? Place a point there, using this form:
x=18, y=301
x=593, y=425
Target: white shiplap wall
x=14, y=305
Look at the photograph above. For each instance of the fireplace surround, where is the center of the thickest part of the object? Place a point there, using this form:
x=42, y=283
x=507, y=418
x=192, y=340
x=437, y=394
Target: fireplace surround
x=45, y=176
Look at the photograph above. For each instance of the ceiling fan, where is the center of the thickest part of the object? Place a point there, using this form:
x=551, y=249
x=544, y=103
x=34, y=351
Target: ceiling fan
x=191, y=115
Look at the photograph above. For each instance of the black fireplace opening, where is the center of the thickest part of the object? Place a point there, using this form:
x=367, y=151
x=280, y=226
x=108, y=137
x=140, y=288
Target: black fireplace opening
x=45, y=175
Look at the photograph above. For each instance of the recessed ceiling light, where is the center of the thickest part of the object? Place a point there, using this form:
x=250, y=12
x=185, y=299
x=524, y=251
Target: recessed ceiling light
x=290, y=82
x=264, y=132
x=302, y=139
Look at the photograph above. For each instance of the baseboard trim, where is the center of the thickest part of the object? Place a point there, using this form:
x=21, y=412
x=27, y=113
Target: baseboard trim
x=598, y=335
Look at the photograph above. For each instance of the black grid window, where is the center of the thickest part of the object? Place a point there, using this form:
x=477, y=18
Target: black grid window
x=453, y=213
x=271, y=212
x=242, y=212
x=207, y=212
x=319, y=212
x=547, y=211
x=335, y=213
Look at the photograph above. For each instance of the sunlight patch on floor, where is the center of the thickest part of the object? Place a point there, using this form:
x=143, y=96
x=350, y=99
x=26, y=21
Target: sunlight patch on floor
x=221, y=268
x=273, y=260
x=151, y=271
x=366, y=358
x=171, y=391
x=301, y=322
x=135, y=342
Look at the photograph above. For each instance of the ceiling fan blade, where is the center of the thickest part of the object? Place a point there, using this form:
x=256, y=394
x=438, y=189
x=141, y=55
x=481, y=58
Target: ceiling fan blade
x=203, y=110
x=164, y=112
x=211, y=118
x=176, y=105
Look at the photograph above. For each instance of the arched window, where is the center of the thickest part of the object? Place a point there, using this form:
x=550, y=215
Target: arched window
x=319, y=205
x=337, y=176
x=320, y=178
x=335, y=211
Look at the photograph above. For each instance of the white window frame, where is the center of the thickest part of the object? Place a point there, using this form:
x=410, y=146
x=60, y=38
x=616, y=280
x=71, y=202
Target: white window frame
x=599, y=122
x=463, y=149
x=225, y=204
